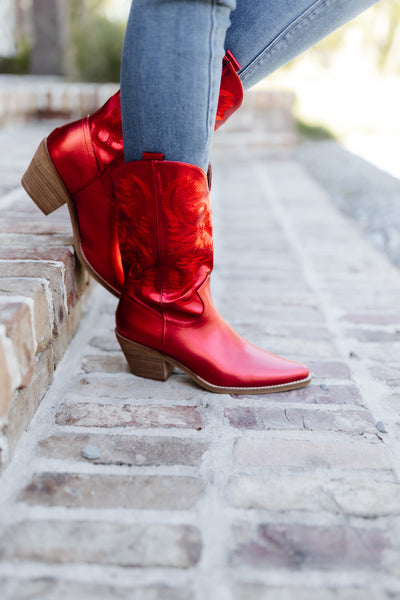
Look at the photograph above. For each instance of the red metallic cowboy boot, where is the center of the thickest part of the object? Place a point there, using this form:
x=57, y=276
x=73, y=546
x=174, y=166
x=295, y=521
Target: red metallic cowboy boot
x=165, y=316
x=74, y=165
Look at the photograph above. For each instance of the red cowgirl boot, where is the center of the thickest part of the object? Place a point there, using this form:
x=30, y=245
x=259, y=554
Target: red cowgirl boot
x=74, y=165
x=165, y=316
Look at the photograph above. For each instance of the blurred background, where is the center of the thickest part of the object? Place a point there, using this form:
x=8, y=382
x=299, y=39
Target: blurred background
x=346, y=87
x=56, y=37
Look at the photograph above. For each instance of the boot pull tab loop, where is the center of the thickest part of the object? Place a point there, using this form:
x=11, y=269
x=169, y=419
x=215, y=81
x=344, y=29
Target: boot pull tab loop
x=153, y=156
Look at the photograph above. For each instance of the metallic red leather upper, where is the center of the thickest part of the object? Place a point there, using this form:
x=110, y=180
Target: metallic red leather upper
x=231, y=90
x=165, y=269
x=166, y=242
x=86, y=151
x=82, y=149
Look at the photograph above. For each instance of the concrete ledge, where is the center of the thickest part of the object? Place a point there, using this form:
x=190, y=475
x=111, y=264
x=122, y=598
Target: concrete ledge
x=265, y=118
x=24, y=97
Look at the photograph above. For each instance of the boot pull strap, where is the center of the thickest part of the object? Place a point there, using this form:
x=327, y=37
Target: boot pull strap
x=153, y=156
x=229, y=58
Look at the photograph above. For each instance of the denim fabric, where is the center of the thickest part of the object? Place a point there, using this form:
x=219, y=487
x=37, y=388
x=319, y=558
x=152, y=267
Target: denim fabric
x=267, y=34
x=172, y=58
x=170, y=77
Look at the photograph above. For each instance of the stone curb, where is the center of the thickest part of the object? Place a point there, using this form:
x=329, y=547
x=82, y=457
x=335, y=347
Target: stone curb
x=265, y=117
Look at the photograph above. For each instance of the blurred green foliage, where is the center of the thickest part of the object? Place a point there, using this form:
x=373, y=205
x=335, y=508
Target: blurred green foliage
x=378, y=39
x=314, y=132
x=393, y=34
x=18, y=64
x=95, y=43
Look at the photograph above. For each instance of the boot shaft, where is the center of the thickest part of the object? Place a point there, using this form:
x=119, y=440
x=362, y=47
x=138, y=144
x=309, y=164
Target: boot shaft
x=231, y=90
x=165, y=232
x=82, y=149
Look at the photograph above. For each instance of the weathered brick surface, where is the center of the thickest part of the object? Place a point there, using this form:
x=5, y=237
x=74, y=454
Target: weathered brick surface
x=16, y=317
x=389, y=373
x=53, y=271
x=36, y=290
x=27, y=400
x=102, y=542
x=86, y=414
x=105, y=364
x=50, y=589
x=131, y=488
x=373, y=318
x=127, y=450
x=58, y=255
x=320, y=394
x=353, y=422
x=293, y=546
x=311, y=454
x=105, y=340
x=10, y=376
x=106, y=491
x=367, y=498
x=254, y=591
x=126, y=386
x=329, y=369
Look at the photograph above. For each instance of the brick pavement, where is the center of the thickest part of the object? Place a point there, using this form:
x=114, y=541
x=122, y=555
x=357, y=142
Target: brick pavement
x=128, y=488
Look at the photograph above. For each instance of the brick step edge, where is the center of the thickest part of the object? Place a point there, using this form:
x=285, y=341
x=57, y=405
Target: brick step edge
x=43, y=294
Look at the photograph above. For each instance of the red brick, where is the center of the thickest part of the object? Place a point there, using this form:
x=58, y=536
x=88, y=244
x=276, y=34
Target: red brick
x=106, y=341
x=258, y=591
x=389, y=373
x=309, y=547
x=373, y=335
x=316, y=394
x=125, y=450
x=26, y=401
x=388, y=317
x=17, y=320
x=155, y=492
x=53, y=273
x=36, y=290
x=126, y=386
x=329, y=369
x=8, y=380
x=14, y=225
x=105, y=364
x=346, y=453
x=48, y=255
x=362, y=497
x=86, y=414
x=353, y=422
x=47, y=588
x=102, y=543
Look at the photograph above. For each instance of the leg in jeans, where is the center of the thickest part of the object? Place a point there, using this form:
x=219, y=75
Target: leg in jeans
x=170, y=77
x=267, y=34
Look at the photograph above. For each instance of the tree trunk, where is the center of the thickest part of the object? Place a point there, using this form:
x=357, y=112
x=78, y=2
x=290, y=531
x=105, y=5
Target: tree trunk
x=50, y=22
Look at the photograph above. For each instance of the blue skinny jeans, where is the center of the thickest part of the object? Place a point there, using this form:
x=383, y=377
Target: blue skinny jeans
x=172, y=61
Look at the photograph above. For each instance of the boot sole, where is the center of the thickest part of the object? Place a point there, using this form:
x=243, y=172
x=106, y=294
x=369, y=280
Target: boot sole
x=46, y=188
x=151, y=364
